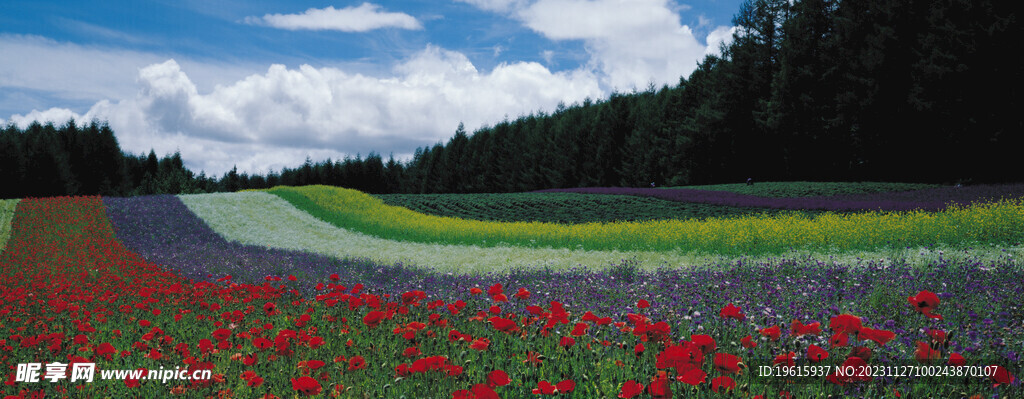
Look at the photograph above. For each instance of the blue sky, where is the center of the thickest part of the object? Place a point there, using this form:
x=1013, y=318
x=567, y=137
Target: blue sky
x=264, y=84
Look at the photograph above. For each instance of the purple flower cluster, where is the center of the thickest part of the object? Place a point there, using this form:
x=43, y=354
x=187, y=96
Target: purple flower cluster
x=933, y=199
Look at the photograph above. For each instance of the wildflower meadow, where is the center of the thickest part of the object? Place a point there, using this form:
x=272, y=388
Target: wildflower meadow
x=327, y=292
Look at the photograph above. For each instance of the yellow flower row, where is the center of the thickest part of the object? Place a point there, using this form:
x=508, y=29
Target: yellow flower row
x=998, y=222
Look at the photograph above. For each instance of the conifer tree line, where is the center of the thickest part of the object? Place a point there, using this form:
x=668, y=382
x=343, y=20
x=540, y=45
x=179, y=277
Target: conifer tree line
x=821, y=90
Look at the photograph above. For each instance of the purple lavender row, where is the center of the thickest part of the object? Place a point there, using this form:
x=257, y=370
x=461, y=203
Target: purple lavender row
x=934, y=199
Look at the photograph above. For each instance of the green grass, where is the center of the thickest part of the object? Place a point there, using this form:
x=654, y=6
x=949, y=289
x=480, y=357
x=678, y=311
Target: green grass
x=565, y=207
x=811, y=189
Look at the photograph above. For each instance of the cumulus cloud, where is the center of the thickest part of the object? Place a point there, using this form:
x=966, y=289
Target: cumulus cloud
x=365, y=17
x=279, y=117
x=632, y=43
x=721, y=36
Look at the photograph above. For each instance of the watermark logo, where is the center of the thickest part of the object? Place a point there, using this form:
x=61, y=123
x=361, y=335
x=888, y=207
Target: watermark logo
x=56, y=371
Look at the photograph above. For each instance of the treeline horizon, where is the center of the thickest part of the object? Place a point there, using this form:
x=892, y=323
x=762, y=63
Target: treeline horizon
x=817, y=90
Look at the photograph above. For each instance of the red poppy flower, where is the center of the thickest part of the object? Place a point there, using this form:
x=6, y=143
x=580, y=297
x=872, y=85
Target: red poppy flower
x=261, y=343
x=411, y=352
x=250, y=359
x=480, y=344
x=727, y=363
x=356, y=363
x=335, y=277
x=956, y=359
x=680, y=357
x=704, y=342
x=881, y=337
x=639, y=349
x=502, y=324
x=631, y=389
x=731, y=311
x=773, y=333
x=373, y=319
x=839, y=340
x=292, y=278
x=452, y=370
x=786, y=360
x=483, y=391
x=845, y=323
x=722, y=384
x=475, y=291
x=498, y=378
x=643, y=304
x=495, y=289
x=579, y=329
x=522, y=294
x=938, y=336
x=306, y=386
x=315, y=364
x=797, y=328
x=925, y=302
x=693, y=377
x=748, y=342
x=925, y=353
x=221, y=334
x=566, y=342
x=254, y=381
x=544, y=388
x=1001, y=376
x=565, y=386
x=816, y=354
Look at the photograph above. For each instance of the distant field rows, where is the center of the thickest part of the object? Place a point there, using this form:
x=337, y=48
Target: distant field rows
x=264, y=219
x=7, y=208
x=566, y=207
x=989, y=223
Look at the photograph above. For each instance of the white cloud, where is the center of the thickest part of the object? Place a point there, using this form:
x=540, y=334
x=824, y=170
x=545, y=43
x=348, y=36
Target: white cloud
x=279, y=117
x=365, y=17
x=721, y=36
x=632, y=42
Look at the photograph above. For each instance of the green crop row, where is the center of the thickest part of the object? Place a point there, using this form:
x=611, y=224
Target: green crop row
x=565, y=207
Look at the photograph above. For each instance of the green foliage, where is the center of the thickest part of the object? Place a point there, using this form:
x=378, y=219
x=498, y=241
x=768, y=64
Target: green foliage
x=810, y=189
x=563, y=207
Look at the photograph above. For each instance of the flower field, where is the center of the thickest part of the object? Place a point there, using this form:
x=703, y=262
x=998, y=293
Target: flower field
x=976, y=224
x=279, y=302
